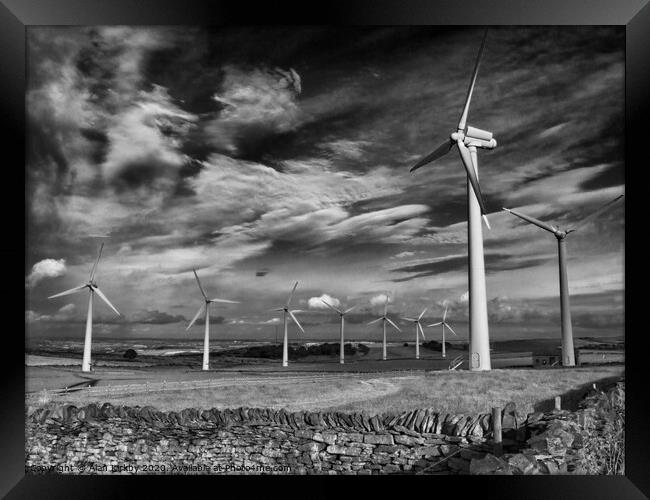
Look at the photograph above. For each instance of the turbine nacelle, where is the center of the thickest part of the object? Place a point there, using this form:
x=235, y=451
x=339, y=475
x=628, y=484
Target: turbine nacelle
x=475, y=137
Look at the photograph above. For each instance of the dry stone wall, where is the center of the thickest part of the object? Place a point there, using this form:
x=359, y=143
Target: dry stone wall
x=110, y=439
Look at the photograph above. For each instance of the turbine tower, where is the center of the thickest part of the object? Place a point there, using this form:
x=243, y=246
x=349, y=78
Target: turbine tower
x=468, y=139
x=206, y=307
x=418, y=331
x=342, y=315
x=444, y=324
x=94, y=289
x=383, y=318
x=568, y=354
x=286, y=311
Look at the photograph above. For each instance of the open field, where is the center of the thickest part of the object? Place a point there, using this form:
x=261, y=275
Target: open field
x=452, y=392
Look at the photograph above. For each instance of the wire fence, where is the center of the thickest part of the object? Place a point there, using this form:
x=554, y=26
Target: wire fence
x=111, y=390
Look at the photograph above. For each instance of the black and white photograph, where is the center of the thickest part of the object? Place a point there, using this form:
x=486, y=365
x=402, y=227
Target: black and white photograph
x=328, y=250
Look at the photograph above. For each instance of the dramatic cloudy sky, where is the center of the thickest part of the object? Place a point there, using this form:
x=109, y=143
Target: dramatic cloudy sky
x=263, y=156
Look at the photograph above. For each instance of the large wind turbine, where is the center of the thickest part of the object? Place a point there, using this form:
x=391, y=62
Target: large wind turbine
x=383, y=318
x=342, y=315
x=568, y=357
x=468, y=139
x=93, y=288
x=418, y=331
x=206, y=307
x=286, y=311
x=444, y=324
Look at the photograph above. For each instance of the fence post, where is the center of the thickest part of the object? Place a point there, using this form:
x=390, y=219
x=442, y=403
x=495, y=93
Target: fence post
x=496, y=431
x=558, y=402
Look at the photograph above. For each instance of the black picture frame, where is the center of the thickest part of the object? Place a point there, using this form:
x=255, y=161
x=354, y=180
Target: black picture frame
x=15, y=15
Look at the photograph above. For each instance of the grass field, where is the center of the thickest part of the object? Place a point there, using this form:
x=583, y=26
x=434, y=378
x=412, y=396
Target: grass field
x=452, y=392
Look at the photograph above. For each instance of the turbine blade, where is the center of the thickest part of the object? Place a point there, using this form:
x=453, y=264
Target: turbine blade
x=225, y=301
x=436, y=324
x=386, y=305
x=439, y=152
x=296, y=321
x=68, y=292
x=291, y=294
x=398, y=328
x=103, y=297
x=349, y=309
x=374, y=321
x=450, y=329
x=198, y=313
x=92, y=273
x=487, y=222
x=466, y=157
x=199, y=283
x=422, y=313
x=463, y=117
x=278, y=309
x=409, y=319
x=330, y=306
x=444, y=316
x=595, y=213
x=532, y=220
x=421, y=331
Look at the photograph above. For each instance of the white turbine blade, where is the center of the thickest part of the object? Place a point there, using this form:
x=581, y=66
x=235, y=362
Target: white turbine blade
x=422, y=314
x=466, y=157
x=386, y=305
x=103, y=297
x=199, y=283
x=595, y=213
x=463, y=117
x=296, y=321
x=198, y=313
x=534, y=221
x=450, y=329
x=487, y=222
x=444, y=315
x=412, y=320
x=421, y=331
x=92, y=273
x=68, y=292
x=277, y=310
x=225, y=301
x=330, y=306
x=291, y=294
x=375, y=321
x=398, y=328
x=435, y=324
x=440, y=151
x=349, y=309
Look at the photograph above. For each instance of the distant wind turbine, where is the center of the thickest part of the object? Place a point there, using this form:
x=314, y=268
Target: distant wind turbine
x=444, y=324
x=206, y=307
x=383, y=318
x=468, y=139
x=342, y=315
x=568, y=356
x=286, y=311
x=93, y=288
x=418, y=331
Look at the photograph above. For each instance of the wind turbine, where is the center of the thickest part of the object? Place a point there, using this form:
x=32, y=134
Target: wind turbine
x=444, y=324
x=568, y=355
x=94, y=289
x=418, y=331
x=342, y=315
x=383, y=318
x=468, y=139
x=286, y=311
x=206, y=307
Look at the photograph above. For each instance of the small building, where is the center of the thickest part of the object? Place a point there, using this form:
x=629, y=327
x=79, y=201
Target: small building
x=599, y=356
x=544, y=360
